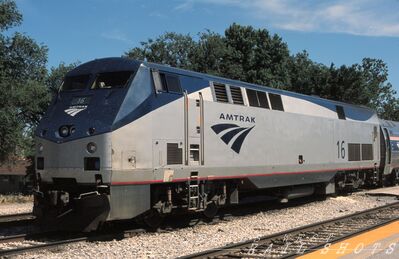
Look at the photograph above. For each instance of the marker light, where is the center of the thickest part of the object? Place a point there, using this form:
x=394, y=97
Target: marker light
x=40, y=147
x=91, y=131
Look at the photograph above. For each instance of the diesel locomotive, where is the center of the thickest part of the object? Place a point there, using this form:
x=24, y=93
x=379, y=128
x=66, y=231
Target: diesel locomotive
x=126, y=139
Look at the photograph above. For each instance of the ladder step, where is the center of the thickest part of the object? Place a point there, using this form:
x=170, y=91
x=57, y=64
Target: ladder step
x=194, y=192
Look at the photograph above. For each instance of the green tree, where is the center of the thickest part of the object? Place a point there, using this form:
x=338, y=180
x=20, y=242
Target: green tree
x=361, y=84
x=9, y=15
x=170, y=48
x=23, y=95
x=256, y=56
x=209, y=54
x=389, y=109
x=306, y=76
x=243, y=53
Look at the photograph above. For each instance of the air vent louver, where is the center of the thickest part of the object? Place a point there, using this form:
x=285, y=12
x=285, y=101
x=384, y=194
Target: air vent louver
x=236, y=95
x=220, y=92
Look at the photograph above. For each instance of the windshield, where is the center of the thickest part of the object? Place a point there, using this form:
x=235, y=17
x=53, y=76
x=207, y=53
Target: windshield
x=106, y=80
x=111, y=80
x=75, y=82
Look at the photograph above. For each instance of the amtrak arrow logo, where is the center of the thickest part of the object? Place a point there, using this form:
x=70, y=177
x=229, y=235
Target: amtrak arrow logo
x=232, y=130
x=72, y=111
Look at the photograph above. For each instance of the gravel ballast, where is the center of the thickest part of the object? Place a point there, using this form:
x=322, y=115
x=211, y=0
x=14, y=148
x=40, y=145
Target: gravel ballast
x=202, y=237
x=15, y=208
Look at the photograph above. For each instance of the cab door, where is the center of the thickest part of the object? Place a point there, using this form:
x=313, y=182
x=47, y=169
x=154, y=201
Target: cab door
x=168, y=142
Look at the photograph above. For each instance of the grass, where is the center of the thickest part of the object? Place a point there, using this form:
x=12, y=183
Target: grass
x=15, y=198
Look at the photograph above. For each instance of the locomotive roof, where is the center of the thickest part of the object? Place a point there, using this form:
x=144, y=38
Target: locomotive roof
x=249, y=85
x=105, y=65
x=126, y=64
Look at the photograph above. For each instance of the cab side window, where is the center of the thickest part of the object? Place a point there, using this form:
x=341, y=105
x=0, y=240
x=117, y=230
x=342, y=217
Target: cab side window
x=166, y=82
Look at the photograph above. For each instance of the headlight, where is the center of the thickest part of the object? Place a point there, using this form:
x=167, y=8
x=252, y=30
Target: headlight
x=64, y=131
x=91, y=147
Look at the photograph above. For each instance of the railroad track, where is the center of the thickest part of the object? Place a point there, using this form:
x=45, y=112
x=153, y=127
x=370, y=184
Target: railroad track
x=12, y=223
x=51, y=240
x=36, y=247
x=16, y=218
x=308, y=238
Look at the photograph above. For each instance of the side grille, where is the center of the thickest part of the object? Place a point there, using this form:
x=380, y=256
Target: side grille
x=220, y=92
x=174, y=154
x=367, y=152
x=236, y=95
x=353, y=152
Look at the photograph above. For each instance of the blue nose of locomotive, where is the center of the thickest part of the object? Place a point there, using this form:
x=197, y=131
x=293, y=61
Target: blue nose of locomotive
x=89, y=100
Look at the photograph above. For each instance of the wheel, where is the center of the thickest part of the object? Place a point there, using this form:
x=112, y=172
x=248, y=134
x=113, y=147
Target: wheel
x=210, y=211
x=153, y=219
x=394, y=177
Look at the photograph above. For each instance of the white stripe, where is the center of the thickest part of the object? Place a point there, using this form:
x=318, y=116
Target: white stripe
x=73, y=111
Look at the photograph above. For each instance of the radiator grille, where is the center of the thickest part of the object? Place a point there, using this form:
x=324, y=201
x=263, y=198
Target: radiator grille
x=367, y=152
x=353, y=152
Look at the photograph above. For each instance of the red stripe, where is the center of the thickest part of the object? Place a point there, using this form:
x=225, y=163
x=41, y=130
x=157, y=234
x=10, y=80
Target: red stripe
x=137, y=182
x=394, y=138
x=240, y=176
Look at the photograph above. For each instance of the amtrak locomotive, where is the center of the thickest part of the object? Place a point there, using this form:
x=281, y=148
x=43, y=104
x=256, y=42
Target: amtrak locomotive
x=125, y=139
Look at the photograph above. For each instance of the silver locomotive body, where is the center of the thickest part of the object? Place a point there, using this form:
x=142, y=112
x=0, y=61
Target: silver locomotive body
x=136, y=139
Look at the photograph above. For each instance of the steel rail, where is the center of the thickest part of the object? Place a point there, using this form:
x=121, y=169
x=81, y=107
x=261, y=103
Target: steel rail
x=16, y=220
x=53, y=240
x=15, y=217
x=287, y=244
x=13, y=238
x=49, y=245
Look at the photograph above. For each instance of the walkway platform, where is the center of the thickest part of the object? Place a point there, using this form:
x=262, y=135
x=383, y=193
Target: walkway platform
x=379, y=243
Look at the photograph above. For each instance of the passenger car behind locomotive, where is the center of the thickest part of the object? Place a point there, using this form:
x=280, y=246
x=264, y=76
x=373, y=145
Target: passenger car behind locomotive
x=125, y=139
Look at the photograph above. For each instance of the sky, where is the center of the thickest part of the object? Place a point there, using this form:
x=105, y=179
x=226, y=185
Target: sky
x=342, y=32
